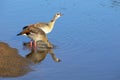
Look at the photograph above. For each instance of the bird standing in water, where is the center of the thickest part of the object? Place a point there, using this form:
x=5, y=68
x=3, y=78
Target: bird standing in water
x=39, y=30
x=35, y=35
x=46, y=27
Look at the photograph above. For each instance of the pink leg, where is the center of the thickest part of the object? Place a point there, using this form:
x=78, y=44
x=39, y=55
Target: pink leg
x=34, y=44
x=30, y=44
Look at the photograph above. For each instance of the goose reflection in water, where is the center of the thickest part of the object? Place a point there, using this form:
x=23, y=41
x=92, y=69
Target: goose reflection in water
x=11, y=63
x=37, y=55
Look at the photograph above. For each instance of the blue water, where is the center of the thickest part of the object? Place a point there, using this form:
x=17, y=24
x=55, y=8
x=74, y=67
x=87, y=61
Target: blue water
x=86, y=37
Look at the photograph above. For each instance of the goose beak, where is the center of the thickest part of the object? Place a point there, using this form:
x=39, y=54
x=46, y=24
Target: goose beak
x=61, y=14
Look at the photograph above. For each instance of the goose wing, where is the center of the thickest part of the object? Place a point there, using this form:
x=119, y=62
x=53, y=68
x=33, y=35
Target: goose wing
x=39, y=25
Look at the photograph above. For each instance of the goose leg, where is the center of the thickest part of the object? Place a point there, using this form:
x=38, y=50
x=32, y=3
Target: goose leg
x=35, y=45
x=30, y=44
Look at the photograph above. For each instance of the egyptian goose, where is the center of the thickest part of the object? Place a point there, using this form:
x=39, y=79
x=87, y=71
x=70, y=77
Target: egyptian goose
x=35, y=35
x=46, y=27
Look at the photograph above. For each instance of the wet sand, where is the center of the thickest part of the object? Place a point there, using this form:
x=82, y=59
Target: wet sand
x=11, y=63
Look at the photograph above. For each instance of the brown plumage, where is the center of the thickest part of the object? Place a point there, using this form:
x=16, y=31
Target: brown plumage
x=35, y=35
x=38, y=31
x=46, y=27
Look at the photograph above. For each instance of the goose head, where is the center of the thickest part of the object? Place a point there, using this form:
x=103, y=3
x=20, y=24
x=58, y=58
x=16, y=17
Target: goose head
x=57, y=15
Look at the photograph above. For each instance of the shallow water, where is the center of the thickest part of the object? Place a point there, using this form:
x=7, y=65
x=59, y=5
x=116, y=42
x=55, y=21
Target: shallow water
x=86, y=37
